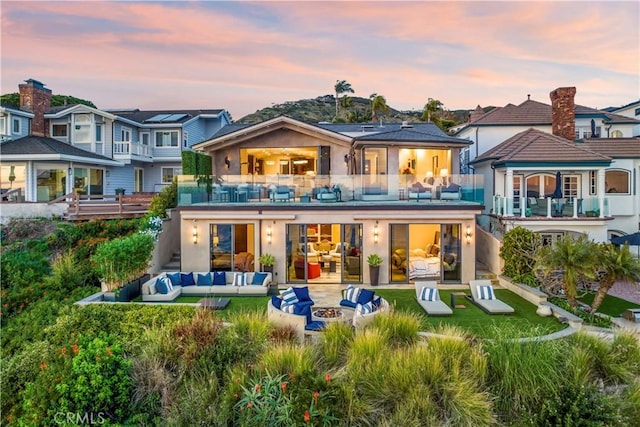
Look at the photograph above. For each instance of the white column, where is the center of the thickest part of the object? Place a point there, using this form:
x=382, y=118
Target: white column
x=508, y=192
x=601, y=191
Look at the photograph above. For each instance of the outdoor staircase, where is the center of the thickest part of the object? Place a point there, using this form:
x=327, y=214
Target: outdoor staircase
x=173, y=264
x=483, y=274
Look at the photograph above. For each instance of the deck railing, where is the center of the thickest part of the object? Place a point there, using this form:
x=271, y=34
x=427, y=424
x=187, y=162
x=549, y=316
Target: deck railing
x=328, y=188
x=526, y=207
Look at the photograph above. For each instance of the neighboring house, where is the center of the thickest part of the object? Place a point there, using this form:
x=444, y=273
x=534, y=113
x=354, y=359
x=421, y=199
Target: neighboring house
x=486, y=130
x=631, y=110
x=52, y=151
x=323, y=197
x=554, y=185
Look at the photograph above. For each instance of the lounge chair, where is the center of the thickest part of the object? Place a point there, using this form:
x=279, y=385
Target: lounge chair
x=484, y=296
x=429, y=299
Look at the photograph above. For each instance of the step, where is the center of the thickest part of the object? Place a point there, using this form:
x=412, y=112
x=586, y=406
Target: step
x=171, y=266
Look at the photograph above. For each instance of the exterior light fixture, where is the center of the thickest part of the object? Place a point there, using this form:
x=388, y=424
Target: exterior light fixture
x=227, y=161
x=194, y=232
x=468, y=234
x=375, y=233
x=269, y=231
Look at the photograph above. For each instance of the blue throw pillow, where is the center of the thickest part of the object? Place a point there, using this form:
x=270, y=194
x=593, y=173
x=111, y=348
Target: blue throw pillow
x=302, y=293
x=219, y=278
x=187, y=279
x=175, y=278
x=277, y=302
x=376, y=303
x=204, y=279
x=161, y=286
x=258, y=278
x=365, y=296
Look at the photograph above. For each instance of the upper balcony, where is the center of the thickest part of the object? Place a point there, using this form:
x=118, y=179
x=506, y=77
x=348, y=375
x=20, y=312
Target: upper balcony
x=126, y=150
x=551, y=208
x=330, y=190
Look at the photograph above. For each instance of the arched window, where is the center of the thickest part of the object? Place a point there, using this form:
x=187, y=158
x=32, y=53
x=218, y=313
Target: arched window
x=617, y=181
x=617, y=134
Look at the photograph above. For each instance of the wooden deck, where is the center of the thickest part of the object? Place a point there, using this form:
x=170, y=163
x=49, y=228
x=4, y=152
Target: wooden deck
x=88, y=207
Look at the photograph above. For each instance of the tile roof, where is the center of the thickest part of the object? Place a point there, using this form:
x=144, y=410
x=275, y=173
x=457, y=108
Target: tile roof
x=535, y=146
x=143, y=117
x=39, y=145
x=537, y=113
x=617, y=148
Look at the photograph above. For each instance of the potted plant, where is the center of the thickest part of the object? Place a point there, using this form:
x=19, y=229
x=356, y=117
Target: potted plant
x=374, y=261
x=120, y=261
x=267, y=261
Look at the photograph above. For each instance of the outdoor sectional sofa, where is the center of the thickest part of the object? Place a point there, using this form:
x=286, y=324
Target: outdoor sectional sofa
x=205, y=284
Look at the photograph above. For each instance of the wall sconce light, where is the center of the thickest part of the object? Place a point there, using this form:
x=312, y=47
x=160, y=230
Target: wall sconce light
x=468, y=234
x=227, y=161
x=375, y=233
x=269, y=234
x=194, y=232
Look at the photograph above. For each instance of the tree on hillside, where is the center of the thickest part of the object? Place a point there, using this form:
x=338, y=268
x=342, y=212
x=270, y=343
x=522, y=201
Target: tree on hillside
x=432, y=108
x=616, y=264
x=13, y=100
x=378, y=106
x=341, y=87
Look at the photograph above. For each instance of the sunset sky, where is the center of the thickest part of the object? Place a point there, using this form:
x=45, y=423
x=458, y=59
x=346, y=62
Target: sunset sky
x=243, y=56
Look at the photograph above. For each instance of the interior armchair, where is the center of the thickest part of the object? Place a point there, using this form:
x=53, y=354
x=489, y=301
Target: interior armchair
x=310, y=250
x=336, y=253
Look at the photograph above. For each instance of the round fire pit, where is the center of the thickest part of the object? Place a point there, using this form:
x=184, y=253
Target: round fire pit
x=328, y=314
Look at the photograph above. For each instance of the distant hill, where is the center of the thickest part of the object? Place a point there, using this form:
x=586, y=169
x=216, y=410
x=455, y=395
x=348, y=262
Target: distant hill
x=323, y=109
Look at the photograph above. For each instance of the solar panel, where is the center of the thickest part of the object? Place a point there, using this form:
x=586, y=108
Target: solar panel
x=159, y=118
x=173, y=117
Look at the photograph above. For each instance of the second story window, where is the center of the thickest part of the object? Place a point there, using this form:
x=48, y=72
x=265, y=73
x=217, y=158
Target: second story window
x=167, y=139
x=99, y=132
x=59, y=131
x=3, y=125
x=16, y=125
x=169, y=173
x=125, y=135
x=144, y=138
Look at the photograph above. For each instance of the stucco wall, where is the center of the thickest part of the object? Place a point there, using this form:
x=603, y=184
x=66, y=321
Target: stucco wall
x=488, y=251
x=30, y=210
x=168, y=242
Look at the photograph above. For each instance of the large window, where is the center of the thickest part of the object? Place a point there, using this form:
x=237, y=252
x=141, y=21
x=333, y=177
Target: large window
x=3, y=125
x=617, y=181
x=88, y=181
x=168, y=173
x=167, y=139
x=571, y=186
x=541, y=185
x=82, y=128
x=232, y=247
x=50, y=182
x=425, y=251
x=374, y=169
x=125, y=134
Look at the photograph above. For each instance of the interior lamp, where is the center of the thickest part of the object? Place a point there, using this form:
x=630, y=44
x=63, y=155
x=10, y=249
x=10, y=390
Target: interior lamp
x=444, y=172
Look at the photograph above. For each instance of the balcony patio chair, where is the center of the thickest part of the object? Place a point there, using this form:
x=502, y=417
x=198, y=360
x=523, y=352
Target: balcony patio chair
x=281, y=193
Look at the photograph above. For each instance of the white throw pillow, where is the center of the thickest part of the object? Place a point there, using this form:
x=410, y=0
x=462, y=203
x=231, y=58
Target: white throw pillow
x=288, y=296
x=352, y=294
x=239, y=279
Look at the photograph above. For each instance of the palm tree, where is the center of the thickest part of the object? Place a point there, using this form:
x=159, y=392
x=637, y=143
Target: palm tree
x=616, y=265
x=432, y=107
x=574, y=258
x=378, y=105
x=341, y=87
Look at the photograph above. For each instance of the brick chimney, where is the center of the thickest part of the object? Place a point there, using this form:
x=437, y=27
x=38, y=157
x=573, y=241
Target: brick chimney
x=35, y=98
x=563, y=114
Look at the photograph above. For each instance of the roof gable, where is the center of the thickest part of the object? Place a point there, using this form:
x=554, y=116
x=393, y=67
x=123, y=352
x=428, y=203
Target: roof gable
x=534, y=145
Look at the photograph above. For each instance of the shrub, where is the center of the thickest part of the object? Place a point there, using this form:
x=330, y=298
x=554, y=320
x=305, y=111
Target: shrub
x=579, y=405
x=519, y=246
x=123, y=259
x=166, y=199
x=400, y=329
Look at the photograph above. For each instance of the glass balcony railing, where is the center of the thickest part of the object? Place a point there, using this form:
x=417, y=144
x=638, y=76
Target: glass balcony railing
x=328, y=188
x=526, y=207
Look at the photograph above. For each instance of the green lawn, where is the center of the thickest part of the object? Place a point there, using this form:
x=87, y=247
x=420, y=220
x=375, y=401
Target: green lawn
x=612, y=306
x=472, y=319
